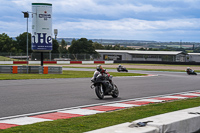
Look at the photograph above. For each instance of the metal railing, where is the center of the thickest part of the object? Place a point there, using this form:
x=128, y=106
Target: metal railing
x=31, y=69
x=47, y=57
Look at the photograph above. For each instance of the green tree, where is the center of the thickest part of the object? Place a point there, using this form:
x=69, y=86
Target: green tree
x=55, y=46
x=22, y=42
x=108, y=47
x=62, y=47
x=98, y=45
x=117, y=47
x=7, y=44
x=82, y=46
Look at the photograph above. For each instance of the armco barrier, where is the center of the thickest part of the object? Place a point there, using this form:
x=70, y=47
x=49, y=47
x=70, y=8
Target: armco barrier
x=6, y=69
x=19, y=62
x=75, y=62
x=50, y=62
x=34, y=62
x=57, y=62
x=87, y=62
x=109, y=62
x=63, y=62
x=6, y=62
x=31, y=69
x=99, y=62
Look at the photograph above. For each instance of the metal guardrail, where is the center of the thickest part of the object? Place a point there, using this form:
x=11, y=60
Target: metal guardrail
x=31, y=69
x=6, y=69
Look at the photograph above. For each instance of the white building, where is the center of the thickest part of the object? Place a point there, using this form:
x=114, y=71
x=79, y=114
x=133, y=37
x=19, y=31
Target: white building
x=194, y=57
x=134, y=55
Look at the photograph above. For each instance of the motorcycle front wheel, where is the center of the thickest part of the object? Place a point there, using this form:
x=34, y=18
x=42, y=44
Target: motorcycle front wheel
x=116, y=92
x=99, y=91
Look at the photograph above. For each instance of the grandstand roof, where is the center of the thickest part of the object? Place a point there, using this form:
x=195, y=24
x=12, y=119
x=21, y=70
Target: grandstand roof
x=141, y=52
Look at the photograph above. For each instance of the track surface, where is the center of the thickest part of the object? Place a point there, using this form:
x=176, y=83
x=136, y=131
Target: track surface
x=29, y=96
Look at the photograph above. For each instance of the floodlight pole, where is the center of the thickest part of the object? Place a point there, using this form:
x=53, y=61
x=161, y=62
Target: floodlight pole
x=26, y=15
x=27, y=46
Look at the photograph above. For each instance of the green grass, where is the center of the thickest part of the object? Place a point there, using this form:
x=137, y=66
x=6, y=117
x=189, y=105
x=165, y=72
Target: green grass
x=65, y=74
x=2, y=58
x=97, y=121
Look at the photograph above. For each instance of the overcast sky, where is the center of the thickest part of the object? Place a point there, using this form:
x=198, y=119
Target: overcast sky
x=156, y=20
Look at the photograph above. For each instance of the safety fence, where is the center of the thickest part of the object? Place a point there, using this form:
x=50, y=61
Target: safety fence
x=31, y=69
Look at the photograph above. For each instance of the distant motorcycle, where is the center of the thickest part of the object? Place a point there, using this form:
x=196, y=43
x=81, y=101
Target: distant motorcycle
x=103, y=86
x=122, y=69
x=191, y=72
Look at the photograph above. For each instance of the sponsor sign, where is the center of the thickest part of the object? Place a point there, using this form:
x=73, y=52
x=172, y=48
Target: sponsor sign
x=41, y=27
x=112, y=57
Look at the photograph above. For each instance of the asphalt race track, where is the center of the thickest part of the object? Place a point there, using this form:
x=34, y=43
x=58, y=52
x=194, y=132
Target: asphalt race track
x=19, y=97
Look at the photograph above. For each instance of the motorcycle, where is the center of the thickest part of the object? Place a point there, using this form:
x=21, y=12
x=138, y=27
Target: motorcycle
x=122, y=69
x=191, y=72
x=103, y=86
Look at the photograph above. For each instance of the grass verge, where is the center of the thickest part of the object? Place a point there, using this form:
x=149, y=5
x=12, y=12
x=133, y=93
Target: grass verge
x=66, y=74
x=92, y=122
x=2, y=58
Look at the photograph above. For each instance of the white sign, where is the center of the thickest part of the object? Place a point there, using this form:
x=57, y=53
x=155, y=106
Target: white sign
x=41, y=27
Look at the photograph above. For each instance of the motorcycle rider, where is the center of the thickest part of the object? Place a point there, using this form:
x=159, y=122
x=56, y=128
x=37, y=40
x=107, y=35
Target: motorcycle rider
x=103, y=72
x=120, y=66
x=189, y=69
x=106, y=75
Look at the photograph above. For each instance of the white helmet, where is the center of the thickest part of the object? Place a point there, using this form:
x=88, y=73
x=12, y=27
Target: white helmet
x=99, y=68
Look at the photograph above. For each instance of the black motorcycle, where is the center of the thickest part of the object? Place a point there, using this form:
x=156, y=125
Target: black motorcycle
x=122, y=69
x=104, y=86
x=191, y=72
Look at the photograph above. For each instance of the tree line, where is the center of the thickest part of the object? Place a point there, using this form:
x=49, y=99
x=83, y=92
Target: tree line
x=79, y=46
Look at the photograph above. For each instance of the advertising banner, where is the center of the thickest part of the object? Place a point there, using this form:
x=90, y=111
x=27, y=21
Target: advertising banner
x=41, y=27
x=112, y=57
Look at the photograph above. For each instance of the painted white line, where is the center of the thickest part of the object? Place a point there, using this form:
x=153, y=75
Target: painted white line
x=82, y=111
x=121, y=105
x=24, y=120
x=151, y=100
x=191, y=94
x=175, y=97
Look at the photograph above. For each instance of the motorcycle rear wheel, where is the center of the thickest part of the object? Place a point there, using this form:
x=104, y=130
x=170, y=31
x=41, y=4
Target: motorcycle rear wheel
x=116, y=92
x=99, y=91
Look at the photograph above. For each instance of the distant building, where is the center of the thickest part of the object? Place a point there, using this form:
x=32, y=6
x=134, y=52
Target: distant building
x=194, y=57
x=134, y=55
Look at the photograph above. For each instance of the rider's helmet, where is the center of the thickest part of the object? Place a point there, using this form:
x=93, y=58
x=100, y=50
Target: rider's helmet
x=120, y=65
x=99, y=68
x=188, y=68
